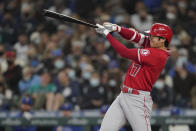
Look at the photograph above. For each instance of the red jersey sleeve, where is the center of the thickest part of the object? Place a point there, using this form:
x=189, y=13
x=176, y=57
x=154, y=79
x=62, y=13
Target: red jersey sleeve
x=135, y=37
x=123, y=50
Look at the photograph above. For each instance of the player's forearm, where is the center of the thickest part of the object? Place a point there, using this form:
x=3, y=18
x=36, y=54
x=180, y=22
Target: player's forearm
x=126, y=33
x=122, y=50
x=134, y=36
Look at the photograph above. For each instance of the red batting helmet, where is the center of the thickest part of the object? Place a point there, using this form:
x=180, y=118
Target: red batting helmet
x=161, y=30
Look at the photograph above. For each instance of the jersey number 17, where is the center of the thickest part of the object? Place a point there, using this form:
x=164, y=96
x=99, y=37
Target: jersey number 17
x=134, y=69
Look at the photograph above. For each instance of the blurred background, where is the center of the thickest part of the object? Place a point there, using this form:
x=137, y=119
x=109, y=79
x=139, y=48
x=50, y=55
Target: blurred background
x=47, y=66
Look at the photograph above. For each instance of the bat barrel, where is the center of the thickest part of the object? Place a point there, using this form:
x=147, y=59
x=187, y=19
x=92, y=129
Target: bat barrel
x=62, y=17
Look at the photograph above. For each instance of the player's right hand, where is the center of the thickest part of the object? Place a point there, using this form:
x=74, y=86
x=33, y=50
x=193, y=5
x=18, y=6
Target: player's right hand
x=111, y=27
x=102, y=30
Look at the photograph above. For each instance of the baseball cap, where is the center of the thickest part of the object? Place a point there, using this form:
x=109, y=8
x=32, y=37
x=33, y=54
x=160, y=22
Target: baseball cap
x=175, y=111
x=27, y=100
x=67, y=107
x=10, y=54
x=104, y=108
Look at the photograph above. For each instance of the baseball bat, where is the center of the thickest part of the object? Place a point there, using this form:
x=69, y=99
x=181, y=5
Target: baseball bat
x=66, y=18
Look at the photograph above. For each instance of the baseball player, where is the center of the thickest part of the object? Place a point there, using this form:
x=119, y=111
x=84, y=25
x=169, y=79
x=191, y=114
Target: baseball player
x=134, y=103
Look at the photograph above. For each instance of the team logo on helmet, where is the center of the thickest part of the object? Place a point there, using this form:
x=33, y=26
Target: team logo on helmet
x=144, y=52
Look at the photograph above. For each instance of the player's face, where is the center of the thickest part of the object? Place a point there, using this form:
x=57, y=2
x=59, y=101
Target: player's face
x=156, y=42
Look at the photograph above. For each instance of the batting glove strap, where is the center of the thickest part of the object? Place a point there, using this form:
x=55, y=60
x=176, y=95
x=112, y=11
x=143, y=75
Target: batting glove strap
x=118, y=28
x=106, y=32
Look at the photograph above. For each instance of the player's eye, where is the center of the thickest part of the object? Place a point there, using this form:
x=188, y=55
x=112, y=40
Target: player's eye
x=161, y=37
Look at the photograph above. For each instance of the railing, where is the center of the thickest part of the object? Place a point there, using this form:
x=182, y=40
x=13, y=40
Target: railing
x=87, y=122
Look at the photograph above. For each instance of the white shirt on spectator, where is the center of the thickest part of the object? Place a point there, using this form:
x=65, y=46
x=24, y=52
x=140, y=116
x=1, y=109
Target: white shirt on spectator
x=21, y=53
x=139, y=25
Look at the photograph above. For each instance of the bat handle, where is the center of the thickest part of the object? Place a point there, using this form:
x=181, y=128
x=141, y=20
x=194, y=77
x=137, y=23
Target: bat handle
x=44, y=11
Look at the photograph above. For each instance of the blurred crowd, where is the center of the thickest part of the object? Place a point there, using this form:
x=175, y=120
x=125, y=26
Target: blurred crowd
x=55, y=62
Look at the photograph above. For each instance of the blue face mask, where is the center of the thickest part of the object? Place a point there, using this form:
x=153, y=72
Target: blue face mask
x=112, y=83
x=83, y=65
x=159, y=85
x=59, y=64
x=94, y=82
x=86, y=75
x=72, y=74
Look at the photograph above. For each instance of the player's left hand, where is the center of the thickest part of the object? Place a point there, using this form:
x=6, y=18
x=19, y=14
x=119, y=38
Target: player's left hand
x=102, y=30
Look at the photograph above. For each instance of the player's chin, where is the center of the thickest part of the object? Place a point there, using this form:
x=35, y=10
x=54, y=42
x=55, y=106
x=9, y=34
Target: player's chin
x=154, y=46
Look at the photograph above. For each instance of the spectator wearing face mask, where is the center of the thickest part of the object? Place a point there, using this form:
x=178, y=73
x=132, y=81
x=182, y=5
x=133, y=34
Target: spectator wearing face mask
x=72, y=74
x=94, y=93
x=161, y=94
x=57, y=60
x=142, y=21
x=66, y=89
x=29, y=80
x=14, y=72
x=183, y=83
x=86, y=73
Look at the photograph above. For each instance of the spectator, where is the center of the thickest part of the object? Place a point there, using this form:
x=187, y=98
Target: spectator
x=114, y=83
x=66, y=89
x=5, y=95
x=26, y=20
x=44, y=93
x=25, y=112
x=29, y=80
x=58, y=61
x=22, y=48
x=161, y=94
x=141, y=21
x=73, y=58
x=99, y=58
x=171, y=14
x=183, y=83
x=45, y=39
x=72, y=74
x=66, y=110
x=9, y=28
x=94, y=93
x=14, y=72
